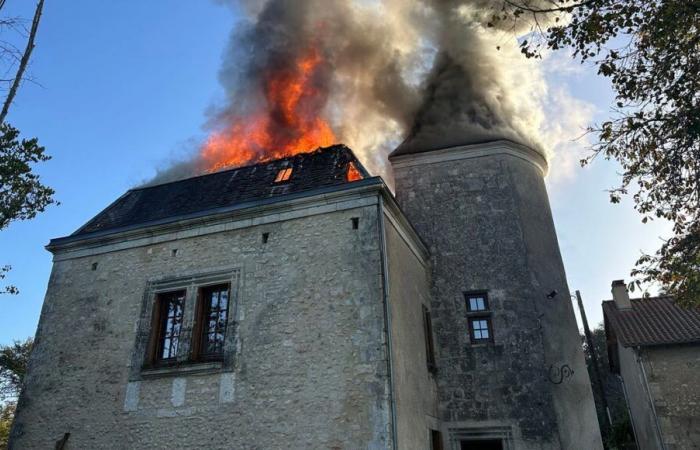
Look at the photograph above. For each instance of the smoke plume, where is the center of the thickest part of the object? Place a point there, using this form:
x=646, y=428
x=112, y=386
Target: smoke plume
x=421, y=74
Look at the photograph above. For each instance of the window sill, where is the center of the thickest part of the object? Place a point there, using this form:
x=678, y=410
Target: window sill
x=182, y=370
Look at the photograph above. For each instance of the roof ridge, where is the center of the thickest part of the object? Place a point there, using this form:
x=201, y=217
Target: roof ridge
x=234, y=169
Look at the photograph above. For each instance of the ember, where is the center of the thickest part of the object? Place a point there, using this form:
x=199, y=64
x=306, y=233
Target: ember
x=291, y=123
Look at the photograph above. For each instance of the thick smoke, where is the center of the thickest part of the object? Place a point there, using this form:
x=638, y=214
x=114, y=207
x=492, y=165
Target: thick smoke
x=421, y=74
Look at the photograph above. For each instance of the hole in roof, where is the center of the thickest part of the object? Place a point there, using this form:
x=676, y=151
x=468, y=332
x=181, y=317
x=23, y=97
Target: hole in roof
x=353, y=174
x=355, y=223
x=173, y=252
x=94, y=266
x=265, y=237
x=283, y=175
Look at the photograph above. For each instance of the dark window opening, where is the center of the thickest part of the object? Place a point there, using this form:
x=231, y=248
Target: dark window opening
x=435, y=440
x=486, y=444
x=212, y=318
x=174, y=252
x=283, y=175
x=265, y=237
x=167, y=320
x=94, y=266
x=429, y=345
x=477, y=302
x=355, y=223
x=480, y=329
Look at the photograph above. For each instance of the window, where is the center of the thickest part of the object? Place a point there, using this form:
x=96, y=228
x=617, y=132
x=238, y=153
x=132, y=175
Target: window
x=480, y=329
x=479, y=317
x=190, y=325
x=429, y=346
x=435, y=440
x=211, y=322
x=477, y=302
x=167, y=320
x=283, y=175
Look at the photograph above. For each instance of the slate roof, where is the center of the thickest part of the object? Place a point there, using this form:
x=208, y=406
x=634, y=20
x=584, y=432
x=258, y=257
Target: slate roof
x=653, y=321
x=322, y=168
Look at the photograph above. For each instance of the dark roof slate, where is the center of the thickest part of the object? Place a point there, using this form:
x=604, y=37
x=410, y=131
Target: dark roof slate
x=322, y=168
x=653, y=321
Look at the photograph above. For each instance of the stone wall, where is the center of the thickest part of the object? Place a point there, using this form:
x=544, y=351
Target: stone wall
x=309, y=362
x=674, y=381
x=414, y=386
x=643, y=420
x=485, y=217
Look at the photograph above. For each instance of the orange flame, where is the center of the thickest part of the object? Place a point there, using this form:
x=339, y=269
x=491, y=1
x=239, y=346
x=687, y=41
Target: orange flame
x=291, y=124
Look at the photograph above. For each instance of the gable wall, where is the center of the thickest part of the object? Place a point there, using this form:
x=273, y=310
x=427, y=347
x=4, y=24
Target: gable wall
x=309, y=344
x=674, y=381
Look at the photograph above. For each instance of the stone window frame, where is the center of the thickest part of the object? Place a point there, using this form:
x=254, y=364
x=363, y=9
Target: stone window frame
x=502, y=433
x=185, y=364
x=479, y=314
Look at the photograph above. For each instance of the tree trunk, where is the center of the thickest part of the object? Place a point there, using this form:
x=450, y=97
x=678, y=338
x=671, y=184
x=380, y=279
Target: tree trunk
x=23, y=62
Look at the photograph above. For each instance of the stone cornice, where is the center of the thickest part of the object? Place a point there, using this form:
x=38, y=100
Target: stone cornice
x=500, y=147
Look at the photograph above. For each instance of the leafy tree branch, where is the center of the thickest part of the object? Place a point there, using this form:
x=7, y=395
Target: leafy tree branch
x=650, y=51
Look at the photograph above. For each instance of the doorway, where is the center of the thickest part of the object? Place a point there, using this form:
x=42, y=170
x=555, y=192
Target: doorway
x=484, y=444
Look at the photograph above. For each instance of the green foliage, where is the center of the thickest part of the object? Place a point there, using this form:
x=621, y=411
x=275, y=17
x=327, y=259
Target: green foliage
x=7, y=415
x=621, y=435
x=22, y=195
x=650, y=51
x=13, y=368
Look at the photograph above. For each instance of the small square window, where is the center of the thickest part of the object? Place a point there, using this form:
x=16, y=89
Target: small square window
x=477, y=302
x=480, y=329
x=284, y=175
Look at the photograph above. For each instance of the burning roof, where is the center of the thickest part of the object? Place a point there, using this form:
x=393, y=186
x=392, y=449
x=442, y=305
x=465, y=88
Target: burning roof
x=325, y=167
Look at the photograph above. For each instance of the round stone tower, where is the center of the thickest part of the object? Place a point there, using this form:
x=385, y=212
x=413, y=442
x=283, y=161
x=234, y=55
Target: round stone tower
x=511, y=370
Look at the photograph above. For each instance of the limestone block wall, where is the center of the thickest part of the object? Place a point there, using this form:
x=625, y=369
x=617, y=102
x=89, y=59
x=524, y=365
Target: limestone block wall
x=308, y=362
x=485, y=216
x=674, y=382
x=414, y=386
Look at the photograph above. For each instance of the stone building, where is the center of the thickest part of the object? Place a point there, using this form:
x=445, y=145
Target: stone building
x=294, y=304
x=654, y=345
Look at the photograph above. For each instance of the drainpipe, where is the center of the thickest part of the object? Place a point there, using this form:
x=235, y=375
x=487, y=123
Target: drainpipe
x=387, y=319
x=640, y=361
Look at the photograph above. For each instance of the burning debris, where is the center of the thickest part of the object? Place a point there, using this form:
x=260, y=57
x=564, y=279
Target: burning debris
x=302, y=74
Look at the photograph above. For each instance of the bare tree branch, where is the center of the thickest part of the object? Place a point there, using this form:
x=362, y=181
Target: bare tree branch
x=23, y=62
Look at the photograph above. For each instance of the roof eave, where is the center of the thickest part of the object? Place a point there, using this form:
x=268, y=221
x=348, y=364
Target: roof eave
x=73, y=241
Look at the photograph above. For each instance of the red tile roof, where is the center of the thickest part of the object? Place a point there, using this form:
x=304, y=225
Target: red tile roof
x=653, y=321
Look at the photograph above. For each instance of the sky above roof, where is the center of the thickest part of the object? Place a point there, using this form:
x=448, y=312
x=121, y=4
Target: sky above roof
x=121, y=92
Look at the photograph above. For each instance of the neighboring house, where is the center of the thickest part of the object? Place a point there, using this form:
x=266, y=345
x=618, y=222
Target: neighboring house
x=654, y=345
x=293, y=305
